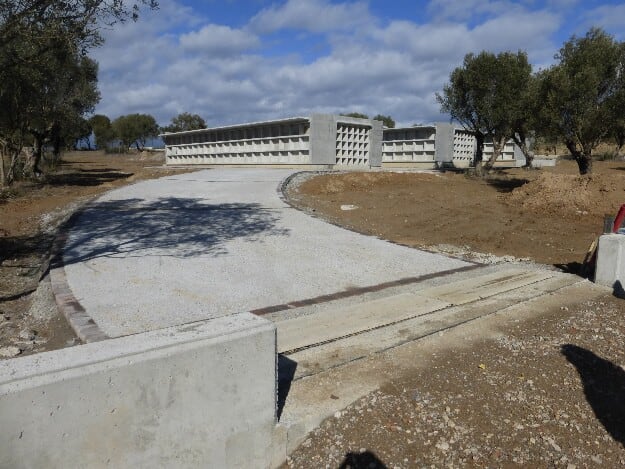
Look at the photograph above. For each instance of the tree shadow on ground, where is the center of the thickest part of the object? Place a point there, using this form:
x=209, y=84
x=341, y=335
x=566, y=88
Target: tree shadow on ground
x=364, y=460
x=168, y=226
x=604, y=386
x=86, y=177
x=19, y=247
x=505, y=185
x=21, y=260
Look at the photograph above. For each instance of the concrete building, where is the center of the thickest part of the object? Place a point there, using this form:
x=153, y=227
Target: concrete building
x=438, y=145
x=319, y=140
x=329, y=141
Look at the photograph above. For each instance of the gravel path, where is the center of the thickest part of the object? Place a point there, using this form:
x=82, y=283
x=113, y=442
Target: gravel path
x=206, y=244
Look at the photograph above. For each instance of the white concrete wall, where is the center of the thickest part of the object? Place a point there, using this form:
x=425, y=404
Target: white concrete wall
x=271, y=150
x=611, y=261
x=197, y=395
x=328, y=140
x=419, y=147
x=439, y=144
x=465, y=146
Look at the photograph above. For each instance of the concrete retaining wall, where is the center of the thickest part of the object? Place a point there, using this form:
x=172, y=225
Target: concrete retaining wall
x=197, y=395
x=610, y=269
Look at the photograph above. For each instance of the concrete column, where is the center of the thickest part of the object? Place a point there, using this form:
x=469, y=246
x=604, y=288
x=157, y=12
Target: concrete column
x=322, y=139
x=375, y=145
x=444, y=143
x=610, y=269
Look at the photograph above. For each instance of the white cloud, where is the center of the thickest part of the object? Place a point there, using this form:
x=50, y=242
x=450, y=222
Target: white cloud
x=313, y=16
x=219, y=40
x=610, y=17
x=520, y=30
x=453, y=10
x=231, y=75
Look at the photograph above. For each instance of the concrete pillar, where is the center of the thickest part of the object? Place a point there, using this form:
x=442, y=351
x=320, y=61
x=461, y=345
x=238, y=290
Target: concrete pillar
x=375, y=145
x=322, y=139
x=444, y=143
x=610, y=269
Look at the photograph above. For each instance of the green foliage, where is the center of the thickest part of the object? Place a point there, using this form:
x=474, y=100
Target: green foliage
x=584, y=94
x=78, y=21
x=357, y=115
x=47, y=82
x=135, y=129
x=66, y=92
x=79, y=132
x=185, y=121
x=387, y=121
x=485, y=96
x=102, y=131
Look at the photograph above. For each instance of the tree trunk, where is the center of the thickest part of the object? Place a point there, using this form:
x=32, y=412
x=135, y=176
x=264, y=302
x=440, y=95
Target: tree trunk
x=620, y=142
x=498, y=144
x=479, y=153
x=9, y=152
x=3, y=173
x=56, y=146
x=11, y=172
x=35, y=157
x=583, y=159
x=521, y=142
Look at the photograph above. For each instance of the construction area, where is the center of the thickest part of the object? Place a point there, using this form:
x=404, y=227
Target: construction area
x=257, y=317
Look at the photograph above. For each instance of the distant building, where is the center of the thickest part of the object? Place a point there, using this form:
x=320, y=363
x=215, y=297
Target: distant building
x=328, y=141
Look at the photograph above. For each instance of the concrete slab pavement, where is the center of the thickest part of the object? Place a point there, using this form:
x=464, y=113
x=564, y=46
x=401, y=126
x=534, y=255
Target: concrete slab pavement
x=217, y=242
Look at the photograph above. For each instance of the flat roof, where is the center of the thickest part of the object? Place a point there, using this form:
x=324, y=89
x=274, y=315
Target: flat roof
x=235, y=126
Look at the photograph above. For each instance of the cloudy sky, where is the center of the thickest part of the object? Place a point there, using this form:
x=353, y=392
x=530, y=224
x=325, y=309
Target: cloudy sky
x=234, y=61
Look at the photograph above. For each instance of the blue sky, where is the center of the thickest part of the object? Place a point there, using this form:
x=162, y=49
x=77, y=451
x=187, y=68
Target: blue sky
x=242, y=61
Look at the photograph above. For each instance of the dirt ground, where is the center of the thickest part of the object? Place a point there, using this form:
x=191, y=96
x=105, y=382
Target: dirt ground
x=549, y=215
x=546, y=392
x=30, y=215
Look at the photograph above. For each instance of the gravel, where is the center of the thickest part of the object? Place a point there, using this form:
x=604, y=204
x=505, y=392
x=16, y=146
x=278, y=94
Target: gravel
x=547, y=392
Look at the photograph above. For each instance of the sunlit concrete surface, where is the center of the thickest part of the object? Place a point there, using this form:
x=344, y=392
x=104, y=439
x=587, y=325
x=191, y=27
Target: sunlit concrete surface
x=216, y=242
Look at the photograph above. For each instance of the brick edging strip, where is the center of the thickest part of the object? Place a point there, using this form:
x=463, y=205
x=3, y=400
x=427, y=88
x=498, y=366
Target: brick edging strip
x=83, y=325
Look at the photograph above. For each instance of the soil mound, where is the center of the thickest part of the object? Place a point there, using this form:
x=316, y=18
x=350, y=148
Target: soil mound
x=565, y=193
x=357, y=181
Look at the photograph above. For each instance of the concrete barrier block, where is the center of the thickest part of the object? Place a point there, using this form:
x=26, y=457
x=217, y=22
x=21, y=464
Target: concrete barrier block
x=610, y=269
x=196, y=395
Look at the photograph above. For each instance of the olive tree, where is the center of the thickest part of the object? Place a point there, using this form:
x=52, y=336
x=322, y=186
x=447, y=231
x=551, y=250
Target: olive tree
x=102, y=131
x=485, y=96
x=134, y=129
x=357, y=115
x=185, y=121
x=387, y=121
x=67, y=91
x=34, y=35
x=584, y=93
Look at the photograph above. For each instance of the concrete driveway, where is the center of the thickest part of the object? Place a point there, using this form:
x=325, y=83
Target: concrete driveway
x=216, y=242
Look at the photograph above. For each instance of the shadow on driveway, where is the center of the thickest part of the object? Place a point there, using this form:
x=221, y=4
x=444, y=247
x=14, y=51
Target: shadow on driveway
x=170, y=226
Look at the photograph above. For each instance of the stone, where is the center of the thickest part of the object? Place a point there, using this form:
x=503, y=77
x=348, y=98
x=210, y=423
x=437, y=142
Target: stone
x=9, y=352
